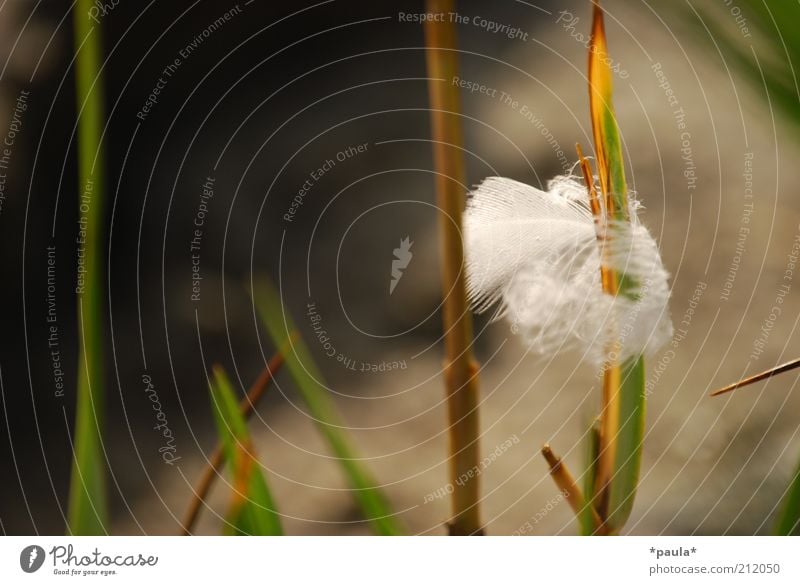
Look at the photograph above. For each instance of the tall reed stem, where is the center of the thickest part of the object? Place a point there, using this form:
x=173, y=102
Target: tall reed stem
x=460, y=368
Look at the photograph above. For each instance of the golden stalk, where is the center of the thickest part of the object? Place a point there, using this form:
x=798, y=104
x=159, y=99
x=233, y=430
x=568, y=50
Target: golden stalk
x=611, y=373
x=608, y=279
x=460, y=369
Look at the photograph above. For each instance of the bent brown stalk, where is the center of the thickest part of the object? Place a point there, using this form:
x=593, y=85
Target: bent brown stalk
x=217, y=458
x=788, y=366
x=566, y=483
x=460, y=369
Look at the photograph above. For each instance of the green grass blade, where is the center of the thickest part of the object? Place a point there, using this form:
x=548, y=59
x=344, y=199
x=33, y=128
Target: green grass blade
x=607, y=141
x=789, y=519
x=309, y=382
x=586, y=519
x=625, y=411
x=628, y=455
x=253, y=510
x=87, y=510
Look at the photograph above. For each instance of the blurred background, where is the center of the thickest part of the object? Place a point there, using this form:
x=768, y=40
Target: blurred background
x=297, y=135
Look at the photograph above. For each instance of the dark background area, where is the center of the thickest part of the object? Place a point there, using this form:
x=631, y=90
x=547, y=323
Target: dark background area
x=264, y=87
x=262, y=103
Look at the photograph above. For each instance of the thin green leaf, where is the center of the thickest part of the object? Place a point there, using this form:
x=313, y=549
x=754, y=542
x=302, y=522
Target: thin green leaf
x=87, y=511
x=586, y=518
x=628, y=456
x=789, y=519
x=607, y=142
x=309, y=382
x=624, y=408
x=253, y=510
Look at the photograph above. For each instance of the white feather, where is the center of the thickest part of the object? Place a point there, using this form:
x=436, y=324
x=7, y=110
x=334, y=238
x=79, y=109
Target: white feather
x=537, y=253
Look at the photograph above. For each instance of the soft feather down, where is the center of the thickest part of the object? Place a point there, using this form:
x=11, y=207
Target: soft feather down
x=537, y=252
